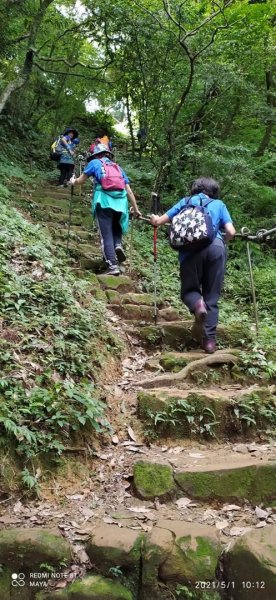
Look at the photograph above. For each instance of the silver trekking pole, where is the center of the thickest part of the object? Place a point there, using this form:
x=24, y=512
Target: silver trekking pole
x=244, y=232
x=70, y=218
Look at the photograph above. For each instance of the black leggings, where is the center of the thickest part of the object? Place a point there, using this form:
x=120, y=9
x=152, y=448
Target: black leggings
x=110, y=232
x=66, y=172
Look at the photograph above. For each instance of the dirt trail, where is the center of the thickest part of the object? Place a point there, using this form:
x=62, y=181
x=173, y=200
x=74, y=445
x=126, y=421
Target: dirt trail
x=96, y=487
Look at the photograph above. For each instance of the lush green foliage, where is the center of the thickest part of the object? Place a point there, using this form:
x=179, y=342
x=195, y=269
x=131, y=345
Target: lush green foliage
x=54, y=339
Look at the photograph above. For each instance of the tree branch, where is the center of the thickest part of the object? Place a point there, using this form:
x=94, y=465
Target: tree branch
x=75, y=64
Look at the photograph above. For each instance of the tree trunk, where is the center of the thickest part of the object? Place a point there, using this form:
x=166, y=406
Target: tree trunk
x=27, y=67
x=130, y=126
x=271, y=102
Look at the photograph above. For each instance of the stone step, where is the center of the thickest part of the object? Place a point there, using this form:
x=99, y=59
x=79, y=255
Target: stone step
x=171, y=552
x=179, y=552
x=131, y=298
x=120, y=283
x=206, y=413
x=221, y=475
x=76, y=219
x=179, y=335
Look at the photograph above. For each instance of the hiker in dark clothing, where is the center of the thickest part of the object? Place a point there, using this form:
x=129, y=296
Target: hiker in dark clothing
x=202, y=271
x=109, y=206
x=66, y=164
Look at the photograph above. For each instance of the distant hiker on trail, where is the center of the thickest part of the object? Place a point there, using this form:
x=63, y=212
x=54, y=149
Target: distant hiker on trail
x=68, y=142
x=102, y=138
x=109, y=204
x=202, y=264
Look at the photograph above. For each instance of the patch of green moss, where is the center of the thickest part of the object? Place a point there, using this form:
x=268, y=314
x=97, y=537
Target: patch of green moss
x=150, y=334
x=172, y=363
x=255, y=483
x=202, y=560
x=121, y=283
x=30, y=547
x=95, y=587
x=132, y=298
x=152, y=480
x=113, y=297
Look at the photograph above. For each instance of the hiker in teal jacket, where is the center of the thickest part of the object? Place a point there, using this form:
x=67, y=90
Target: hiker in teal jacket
x=109, y=207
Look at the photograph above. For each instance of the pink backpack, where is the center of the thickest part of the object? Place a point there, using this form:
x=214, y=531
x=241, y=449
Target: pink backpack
x=112, y=179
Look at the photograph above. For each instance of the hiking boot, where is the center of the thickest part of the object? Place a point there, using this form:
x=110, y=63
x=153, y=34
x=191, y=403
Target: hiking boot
x=120, y=253
x=209, y=346
x=112, y=270
x=200, y=310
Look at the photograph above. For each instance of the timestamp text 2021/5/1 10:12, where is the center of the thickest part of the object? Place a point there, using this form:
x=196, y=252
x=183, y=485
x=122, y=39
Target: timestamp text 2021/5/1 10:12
x=226, y=585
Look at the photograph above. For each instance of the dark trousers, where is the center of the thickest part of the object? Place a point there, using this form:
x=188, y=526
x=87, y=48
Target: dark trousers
x=110, y=231
x=66, y=172
x=202, y=275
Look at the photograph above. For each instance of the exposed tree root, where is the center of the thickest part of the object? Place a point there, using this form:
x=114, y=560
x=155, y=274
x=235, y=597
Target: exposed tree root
x=173, y=378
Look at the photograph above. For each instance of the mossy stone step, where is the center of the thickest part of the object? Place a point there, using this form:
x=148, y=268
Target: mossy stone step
x=76, y=219
x=91, y=587
x=121, y=283
x=195, y=553
x=133, y=312
x=179, y=335
x=185, y=552
x=250, y=563
x=28, y=548
x=197, y=412
x=175, y=361
x=216, y=475
x=153, y=480
x=108, y=547
x=172, y=335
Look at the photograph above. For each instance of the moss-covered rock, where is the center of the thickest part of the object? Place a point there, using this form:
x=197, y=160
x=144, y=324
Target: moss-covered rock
x=152, y=480
x=92, y=587
x=133, y=312
x=256, y=483
x=168, y=314
x=121, y=283
x=30, y=547
x=184, y=413
x=175, y=361
x=235, y=334
x=251, y=564
x=113, y=297
x=133, y=298
x=157, y=547
x=93, y=264
x=195, y=554
x=150, y=334
x=110, y=546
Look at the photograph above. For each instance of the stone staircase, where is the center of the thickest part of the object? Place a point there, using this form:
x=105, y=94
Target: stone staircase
x=196, y=426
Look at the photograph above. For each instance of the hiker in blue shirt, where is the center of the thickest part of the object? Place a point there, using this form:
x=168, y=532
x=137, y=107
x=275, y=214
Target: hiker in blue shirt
x=202, y=271
x=109, y=207
x=68, y=142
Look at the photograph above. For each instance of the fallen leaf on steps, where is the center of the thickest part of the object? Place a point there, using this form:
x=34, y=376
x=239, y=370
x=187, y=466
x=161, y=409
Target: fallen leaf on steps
x=220, y=525
x=237, y=531
x=229, y=507
x=183, y=502
x=260, y=513
x=131, y=434
x=195, y=455
x=109, y=521
x=18, y=507
x=75, y=497
x=138, y=509
x=136, y=449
